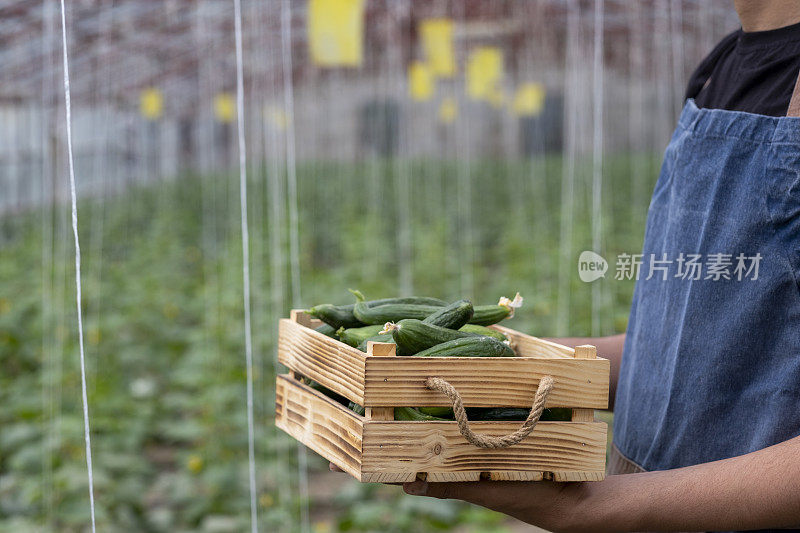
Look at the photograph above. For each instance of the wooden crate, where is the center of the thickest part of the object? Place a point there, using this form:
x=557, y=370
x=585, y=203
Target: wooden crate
x=376, y=448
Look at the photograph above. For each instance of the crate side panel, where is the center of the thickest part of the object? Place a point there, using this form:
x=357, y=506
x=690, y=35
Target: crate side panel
x=439, y=447
x=327, y=361
x=487, y=382
x=320, y=423
x=529, y=346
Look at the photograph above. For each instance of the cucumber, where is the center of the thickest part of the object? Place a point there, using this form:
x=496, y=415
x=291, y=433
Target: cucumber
x=324, y=390
x=414, y=336
x=453, y=316
x=562, y=414
x=327, y=330
x=336, y=316
x=341, y=316
x=486, y=315
x=440, y=412
x=483, y=330
x=357, y=409
x=412, y=414
x=497, y=413
x=416, y=300
x=354, y=336
x=471, y=346
x=517, y=414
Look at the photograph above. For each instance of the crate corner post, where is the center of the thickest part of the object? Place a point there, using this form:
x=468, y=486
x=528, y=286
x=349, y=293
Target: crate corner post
x=584, y=351
x=380, y=349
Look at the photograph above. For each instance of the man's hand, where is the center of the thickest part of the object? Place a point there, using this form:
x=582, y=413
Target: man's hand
x=759, y=490
x=553, y=506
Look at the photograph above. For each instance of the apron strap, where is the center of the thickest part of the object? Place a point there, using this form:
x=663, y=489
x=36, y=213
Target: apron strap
x=794, y=103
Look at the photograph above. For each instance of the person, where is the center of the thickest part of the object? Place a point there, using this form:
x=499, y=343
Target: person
x=707, y=376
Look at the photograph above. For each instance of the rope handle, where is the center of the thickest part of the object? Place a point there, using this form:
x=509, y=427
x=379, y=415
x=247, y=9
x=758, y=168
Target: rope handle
x=487, y=441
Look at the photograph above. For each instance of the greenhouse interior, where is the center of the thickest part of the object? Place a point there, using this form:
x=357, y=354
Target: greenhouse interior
x=218, y=163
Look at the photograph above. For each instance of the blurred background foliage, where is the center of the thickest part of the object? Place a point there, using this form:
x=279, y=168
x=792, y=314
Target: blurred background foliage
x=450, y=148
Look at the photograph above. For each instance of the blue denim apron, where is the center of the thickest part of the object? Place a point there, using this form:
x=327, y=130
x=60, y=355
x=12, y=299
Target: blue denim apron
x=711, y=366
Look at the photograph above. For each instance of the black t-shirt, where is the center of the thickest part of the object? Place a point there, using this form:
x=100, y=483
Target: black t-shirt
x=753, y=72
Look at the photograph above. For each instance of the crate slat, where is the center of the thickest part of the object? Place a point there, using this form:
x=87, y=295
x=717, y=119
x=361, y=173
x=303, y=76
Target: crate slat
x=530, y=346
x=439, y=447
x=486, y=382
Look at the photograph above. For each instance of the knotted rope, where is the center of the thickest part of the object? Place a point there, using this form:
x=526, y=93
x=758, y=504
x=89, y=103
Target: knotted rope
x=487, y=441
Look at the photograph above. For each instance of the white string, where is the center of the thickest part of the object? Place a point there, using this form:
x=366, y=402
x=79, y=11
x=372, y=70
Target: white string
x=68, y=107
x=597, y=156
x=291, y=167
x=248, y=339
x=568, y=167
x=294, y=238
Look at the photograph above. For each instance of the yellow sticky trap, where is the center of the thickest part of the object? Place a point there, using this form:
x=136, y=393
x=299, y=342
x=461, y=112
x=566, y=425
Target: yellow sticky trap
x=336, y=32
x=448, y=111
x=224, y=107
x=484, y=73
x=437, y=42
x=151, y=103
x=529, y=100
x=420, y=81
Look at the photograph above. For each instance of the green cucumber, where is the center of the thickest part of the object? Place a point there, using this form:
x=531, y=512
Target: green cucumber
x=354, y=336
x=471, y=346
x=561, y=414
x=336, y=316
x=416, y=300
x=412, y=336
x=412, y=414
x=341, y=316
x=326, y=330
x=357, y=409
x=440, y=412
x=508, y=414
x=324, y=390
x=483, y=330
x=453, y=316
x=486, y=315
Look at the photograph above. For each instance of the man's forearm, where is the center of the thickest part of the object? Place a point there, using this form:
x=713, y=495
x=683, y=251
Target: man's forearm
x=753, y=491
x=608, y=347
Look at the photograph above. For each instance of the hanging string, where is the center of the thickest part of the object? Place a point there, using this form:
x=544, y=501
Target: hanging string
x=73, y=196
x=48, y=195
x=291, y=167
x=597, y=157
x=568, y=168
x=248, y=337
x=294, y=239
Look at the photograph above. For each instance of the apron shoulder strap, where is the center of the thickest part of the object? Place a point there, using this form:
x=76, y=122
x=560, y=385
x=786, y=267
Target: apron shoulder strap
x=794, y=103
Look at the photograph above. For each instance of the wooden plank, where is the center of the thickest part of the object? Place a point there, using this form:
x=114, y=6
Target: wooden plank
x=486, y=382
x=439, y=447
x=380, y=349
x=327, y=361
x=516, y=476
x=597, y=475
x=530, y=346
x=584, y=351
x=323, y=425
